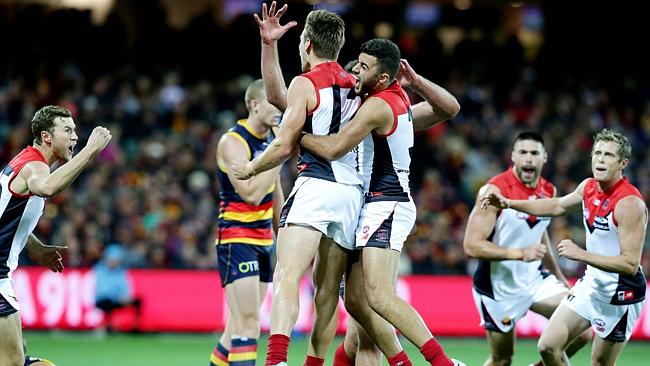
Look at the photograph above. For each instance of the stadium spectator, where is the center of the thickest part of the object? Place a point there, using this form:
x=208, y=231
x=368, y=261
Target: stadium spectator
x=113, y=290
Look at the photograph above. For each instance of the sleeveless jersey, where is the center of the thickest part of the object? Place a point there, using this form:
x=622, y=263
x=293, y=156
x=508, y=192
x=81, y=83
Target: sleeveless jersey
x=240, y=222
x=602, y=238
x=19, y=214
x=513, y=229
x=336, y=104
x=386, y=159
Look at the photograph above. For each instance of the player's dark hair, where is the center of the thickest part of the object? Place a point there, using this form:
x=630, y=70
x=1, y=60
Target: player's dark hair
x=350, y=65
x=326, y=31
x=530, y=135
x=44, y=120
x=386, y=52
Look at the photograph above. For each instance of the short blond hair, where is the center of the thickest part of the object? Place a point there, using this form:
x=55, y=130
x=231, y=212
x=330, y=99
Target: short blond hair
x=255, y=91
x=624, y=148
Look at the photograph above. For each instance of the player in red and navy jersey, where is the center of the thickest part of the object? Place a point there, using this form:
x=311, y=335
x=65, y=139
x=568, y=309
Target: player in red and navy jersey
x=25, y=183
x=513, y=248
x=322, y=209
x=248, y=214
x=609, y=297
x=384, y=127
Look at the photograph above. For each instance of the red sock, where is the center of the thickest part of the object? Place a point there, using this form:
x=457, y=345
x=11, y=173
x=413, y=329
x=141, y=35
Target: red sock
x=341, y=357
x=314, y=361
x=433, y=352
x=400, y=359
x=278, y=348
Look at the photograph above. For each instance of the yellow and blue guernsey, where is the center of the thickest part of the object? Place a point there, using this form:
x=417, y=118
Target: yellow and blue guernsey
x=240, y=222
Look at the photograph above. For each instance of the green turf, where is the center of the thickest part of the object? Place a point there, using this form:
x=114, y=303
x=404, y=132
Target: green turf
x=84, y=349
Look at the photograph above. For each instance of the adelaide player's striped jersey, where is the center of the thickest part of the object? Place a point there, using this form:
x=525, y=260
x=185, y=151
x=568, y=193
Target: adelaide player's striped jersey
x=240, y=222
x=19, y=213
x=336, y=105
x=602, y=238
x=513, y=229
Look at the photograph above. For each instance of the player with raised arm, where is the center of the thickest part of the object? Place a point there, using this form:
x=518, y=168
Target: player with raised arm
x=322, y=209
x=513, y=249
x=609, y=297
x=384, y=125
x=25, y=183
x=248, y=214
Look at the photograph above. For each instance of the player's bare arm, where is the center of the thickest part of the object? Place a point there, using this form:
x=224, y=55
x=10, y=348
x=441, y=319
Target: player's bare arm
x=301, y=98
x=480, y=225
x=550, y=262
x=557, y=206
x=270, y=32
x=231, y=149
x=45, y=255
x=631, y=215
x=36, y=178
x=439, y=104
x=374, y=114
x=278, y=202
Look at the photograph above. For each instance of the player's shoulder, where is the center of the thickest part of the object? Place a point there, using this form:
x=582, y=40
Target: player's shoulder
x=328, y=74
x=548, y=189
x=628, y=189
x=502, y=180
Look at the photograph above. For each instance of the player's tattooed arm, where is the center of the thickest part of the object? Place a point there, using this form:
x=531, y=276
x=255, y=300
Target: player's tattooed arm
x=374, y=114
x=301, y=96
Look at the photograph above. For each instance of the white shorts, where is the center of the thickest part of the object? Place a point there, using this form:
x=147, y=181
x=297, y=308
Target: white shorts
x=329, y=207
x=611, y=322
x=385, y=224
x=8, y=300
x=501, y=315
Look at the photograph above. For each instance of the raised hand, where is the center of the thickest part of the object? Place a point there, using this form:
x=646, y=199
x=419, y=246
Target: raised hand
x=496, y=200
x=270, y=28
x=99, y=138
x=406, y=76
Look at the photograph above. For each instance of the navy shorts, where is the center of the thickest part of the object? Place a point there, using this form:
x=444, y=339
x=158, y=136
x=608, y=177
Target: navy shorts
x=244, y=260
x=5, y=307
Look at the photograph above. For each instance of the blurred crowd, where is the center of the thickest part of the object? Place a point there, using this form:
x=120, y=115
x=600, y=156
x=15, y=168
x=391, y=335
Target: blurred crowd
x=153, y=190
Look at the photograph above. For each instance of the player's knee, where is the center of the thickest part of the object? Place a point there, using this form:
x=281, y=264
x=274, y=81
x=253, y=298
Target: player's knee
x=355, y=307
x=250, y=320
x=584, y=337
x=379, y=303
x=547, y=349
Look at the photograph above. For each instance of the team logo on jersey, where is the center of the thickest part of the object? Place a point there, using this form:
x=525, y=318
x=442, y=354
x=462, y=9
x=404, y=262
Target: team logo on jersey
x=599, y=322
x=625, y=295
x=600, y=223
x=596, y=202
x=382, y=235
x=365, y=232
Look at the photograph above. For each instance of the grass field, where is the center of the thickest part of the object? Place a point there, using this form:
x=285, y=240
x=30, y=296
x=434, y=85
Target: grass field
x=84, y=349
